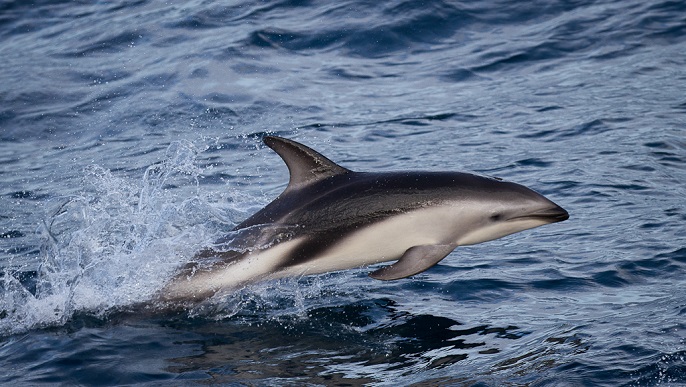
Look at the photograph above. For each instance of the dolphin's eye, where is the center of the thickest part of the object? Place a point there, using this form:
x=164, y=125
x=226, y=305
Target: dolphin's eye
x=496, y=217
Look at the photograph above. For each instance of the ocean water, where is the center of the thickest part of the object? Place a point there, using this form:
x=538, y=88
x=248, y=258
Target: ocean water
x=130, y=137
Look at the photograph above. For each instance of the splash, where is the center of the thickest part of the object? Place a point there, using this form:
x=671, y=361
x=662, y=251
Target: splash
x=120, y=240
x=115, y=244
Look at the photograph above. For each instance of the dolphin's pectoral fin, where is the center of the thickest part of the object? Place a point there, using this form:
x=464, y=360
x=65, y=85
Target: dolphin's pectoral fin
x=415, y=260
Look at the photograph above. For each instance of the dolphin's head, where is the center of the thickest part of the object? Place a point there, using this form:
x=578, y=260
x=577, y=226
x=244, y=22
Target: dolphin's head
x=503, y=208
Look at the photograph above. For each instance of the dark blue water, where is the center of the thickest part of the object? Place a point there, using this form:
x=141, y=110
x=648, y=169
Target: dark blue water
x=130, y=138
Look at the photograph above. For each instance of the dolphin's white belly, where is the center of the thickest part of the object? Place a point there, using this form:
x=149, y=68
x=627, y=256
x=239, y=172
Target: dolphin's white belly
x=383, y=241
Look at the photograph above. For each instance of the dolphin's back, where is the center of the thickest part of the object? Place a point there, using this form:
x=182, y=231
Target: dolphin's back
x=358, y=198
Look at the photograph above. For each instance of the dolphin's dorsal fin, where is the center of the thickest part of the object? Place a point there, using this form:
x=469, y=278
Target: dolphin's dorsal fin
x=305, y=165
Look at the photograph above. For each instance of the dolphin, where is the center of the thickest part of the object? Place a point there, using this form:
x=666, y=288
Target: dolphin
x=330, y=218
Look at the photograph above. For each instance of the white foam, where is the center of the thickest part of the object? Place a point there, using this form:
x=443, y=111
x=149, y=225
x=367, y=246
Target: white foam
x=115, y=243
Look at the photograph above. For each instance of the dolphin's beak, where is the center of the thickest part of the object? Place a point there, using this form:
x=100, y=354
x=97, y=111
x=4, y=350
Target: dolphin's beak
x=551, y=215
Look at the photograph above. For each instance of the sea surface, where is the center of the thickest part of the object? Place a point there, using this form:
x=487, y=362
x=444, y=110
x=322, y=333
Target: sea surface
x=130, y=138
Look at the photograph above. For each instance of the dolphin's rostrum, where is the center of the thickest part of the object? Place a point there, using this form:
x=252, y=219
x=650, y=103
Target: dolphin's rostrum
x=330, y=218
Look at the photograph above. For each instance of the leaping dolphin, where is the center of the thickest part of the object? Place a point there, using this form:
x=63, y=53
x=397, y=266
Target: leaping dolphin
x=330, y=218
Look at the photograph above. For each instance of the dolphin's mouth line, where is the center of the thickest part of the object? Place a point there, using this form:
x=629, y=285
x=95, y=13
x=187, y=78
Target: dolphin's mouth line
x=553, y=215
